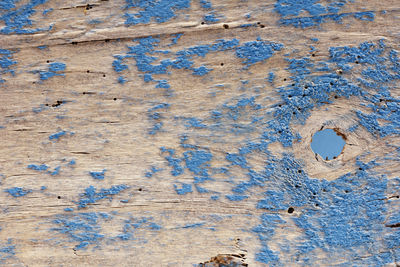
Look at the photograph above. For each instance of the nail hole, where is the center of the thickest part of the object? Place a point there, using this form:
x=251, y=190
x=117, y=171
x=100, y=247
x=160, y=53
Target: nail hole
x=313, y=55
x=262, y=26
x=88, y=71
x=202, y=23
x=258, y=23
x=104, y=75
x=299, y=171
x=140, y=189
x=59, y=197
x=290, y=210
x=115, y=98
x=48, y=61
x=222, y=64
x=284, y=79
x=226, y=26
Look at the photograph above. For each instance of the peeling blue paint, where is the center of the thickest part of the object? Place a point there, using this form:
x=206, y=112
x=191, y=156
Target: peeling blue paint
x=90, y=195
x=17, y=191
x=98, y=175
x=159, y=11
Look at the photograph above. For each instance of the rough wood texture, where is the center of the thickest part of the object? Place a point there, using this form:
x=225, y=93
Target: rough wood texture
x=177, y=133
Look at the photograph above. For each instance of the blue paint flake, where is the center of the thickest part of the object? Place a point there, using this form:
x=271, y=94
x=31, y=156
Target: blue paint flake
x=159, y=11
x=82, y=228
x=17, y=191
x=90, y=195
x=5, y=63
x=98, y=175
x=292, y=13
x=7, y=251
x=35, y=167
x=257, y=51
x=185, y=188
x=16, y=18
x=54, y=69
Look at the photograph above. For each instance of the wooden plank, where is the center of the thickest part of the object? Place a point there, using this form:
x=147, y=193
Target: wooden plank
x=177, y=133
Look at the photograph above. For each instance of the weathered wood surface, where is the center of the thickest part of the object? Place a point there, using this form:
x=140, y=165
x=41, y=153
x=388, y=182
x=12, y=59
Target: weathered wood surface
x=230, y=111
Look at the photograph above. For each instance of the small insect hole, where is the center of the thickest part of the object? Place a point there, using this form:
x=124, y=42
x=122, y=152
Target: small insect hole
x=226, y=26
x=115, y=99
x=290, y=210
x=222, y=64
x=59, y=197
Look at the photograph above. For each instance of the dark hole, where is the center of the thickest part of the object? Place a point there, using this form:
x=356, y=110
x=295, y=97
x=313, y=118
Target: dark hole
x=299, y=171
x=202, y=23
x=340, y=72
x=222, y=64
x=279, y=131
x=293, y=84
x=88, y=71
x=331, y=83
x=294, y=113
x=357, y=62
x=306, y=86
x=46, y=105
x=289, y=96
x=48, y=61
x=279, y=105
x=84, y=93
x=262, y=26
x=115, y=98
x=313, y=55
x=326, y=158
x=299, y=109
x=290, y=210
x=104, y=75
x=59, y=197
x=316, y=204
x=398, y=196
x=336, y=96
x=140, y=189
x=324, y=190
x=297, y=186
x=74, y=43
x=226, y=26
x=360, y=169
x=381, y=100
x=284, y=79
x=304, y=95
x=258, y=23
x=106, y=40
x=346, y=191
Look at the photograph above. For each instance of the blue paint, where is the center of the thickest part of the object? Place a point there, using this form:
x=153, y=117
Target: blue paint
x=185, y=188
x=56, y=136
x=158, y=10
x=35, y=167
x=56, y=171
x=121, y=80
x=72, y=162
x=5, y=63
x=327, y=144
x=144, y=54
x=292, y=13
x=46, y=11
x=211, y=17
x=90, y=195
x=192, y=225
x=152, y=171
x=54, y=69
x=205, y=4
x=42, y=47
x=236, y=197
x=257, y=51
x=81, y=228
x=98, y=175
x=17, y=18
x=17, y=191
x=133, y=224
x=69, y=209
x=7, y=250
x=43, y=188
x=271, y=77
